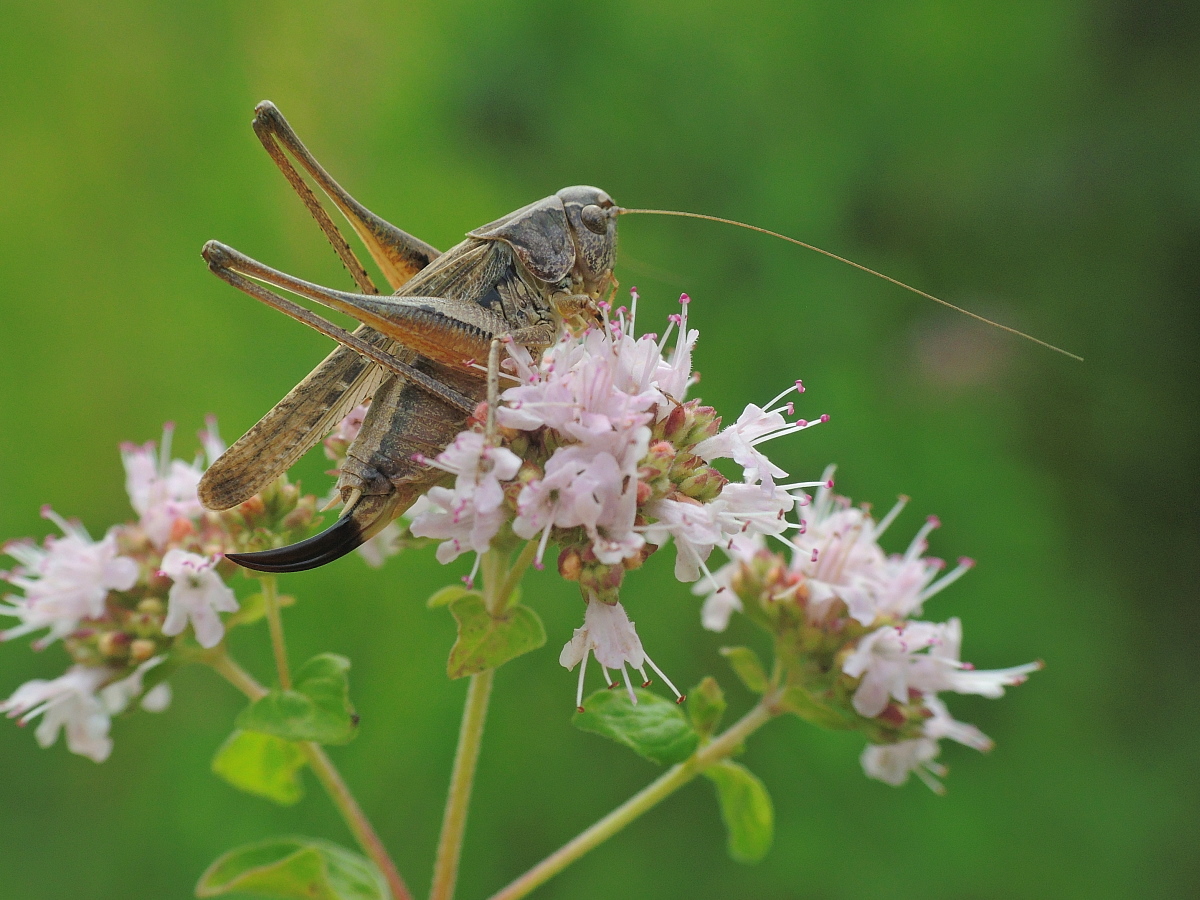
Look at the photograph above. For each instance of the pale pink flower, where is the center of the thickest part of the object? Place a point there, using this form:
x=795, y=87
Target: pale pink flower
x=468, y=516
x=385, y=544
x=924, y=657
x=65, y=581
x=162, y=490
x=738, y=511
x=347, y=430
x=68, y=702
x=610, y=636
x=837, y=551
x=197, y=595
x=592, y=490
x=720, y=602
x=893, y=763
x=118, y=695
x=694, y=527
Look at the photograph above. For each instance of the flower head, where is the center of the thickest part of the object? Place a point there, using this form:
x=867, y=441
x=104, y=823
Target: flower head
x=467, y=517
x=68, y=702
x=162, y=490
x=65, y=581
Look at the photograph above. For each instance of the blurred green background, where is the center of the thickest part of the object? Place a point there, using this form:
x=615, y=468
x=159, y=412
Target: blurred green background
x=1036, y=161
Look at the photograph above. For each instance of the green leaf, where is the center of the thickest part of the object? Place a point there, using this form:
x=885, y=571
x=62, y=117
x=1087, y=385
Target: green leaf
x=316, y=709
x=655, y=728
x=263, y=765
x=254, y=608
x=449, y=594
x=706, y=705
x=746, y=810
x=293, y=869
x=799, y=702
x=486, y=641
x=748, y=667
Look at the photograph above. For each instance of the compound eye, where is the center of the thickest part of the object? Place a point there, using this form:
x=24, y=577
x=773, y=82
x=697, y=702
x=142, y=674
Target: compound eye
x=594, y=218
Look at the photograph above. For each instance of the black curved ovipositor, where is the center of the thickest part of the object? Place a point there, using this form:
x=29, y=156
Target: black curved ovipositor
x=340, y=538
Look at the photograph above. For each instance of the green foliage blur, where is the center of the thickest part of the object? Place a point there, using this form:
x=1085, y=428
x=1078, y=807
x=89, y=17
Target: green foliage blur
x=1034, y=160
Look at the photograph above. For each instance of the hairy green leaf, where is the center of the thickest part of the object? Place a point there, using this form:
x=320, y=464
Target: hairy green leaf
x=263, y=765
x=316, y=709
x=293, y=868
x=486, y=641
x=748, y=667
x=746, y=810
x=655, y=728
x=447, y=595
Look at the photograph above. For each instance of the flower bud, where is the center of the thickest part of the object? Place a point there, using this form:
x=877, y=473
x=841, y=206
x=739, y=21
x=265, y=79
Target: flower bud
x=142, y=649
x=570, y=563
x=703, y=484
x=113, y=643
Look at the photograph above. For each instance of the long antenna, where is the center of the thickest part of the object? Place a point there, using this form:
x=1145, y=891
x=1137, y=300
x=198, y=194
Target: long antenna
x=791, y=240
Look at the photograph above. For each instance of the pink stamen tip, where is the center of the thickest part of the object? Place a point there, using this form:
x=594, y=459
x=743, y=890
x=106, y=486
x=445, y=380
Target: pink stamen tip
x=468, y=581
x=168, y=426
x=45, y=511
x=814, y=556
x=420, y=459
x=684, y=298
x=803, y=423
x=970, y=667
x=829, y=483
x=934, y=521
x=633, y=289
x=539, y=565
x=966, y=561
x=604, y=305
x=825, y=417
x=791, y=408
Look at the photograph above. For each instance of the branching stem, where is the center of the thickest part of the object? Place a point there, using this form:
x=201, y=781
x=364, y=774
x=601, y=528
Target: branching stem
x=672, y=780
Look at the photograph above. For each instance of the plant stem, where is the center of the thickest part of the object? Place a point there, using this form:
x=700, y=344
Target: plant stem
x=270, y=590
x=498, y=584
x=339, y=792
x=516, y=573
x=356, y=819
x=672, y=780
x=454, y=821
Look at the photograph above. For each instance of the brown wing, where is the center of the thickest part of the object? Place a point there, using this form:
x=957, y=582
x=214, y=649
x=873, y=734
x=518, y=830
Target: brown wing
x=309, y=412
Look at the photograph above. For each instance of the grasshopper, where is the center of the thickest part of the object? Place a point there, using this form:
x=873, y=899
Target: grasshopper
x=519, y=278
